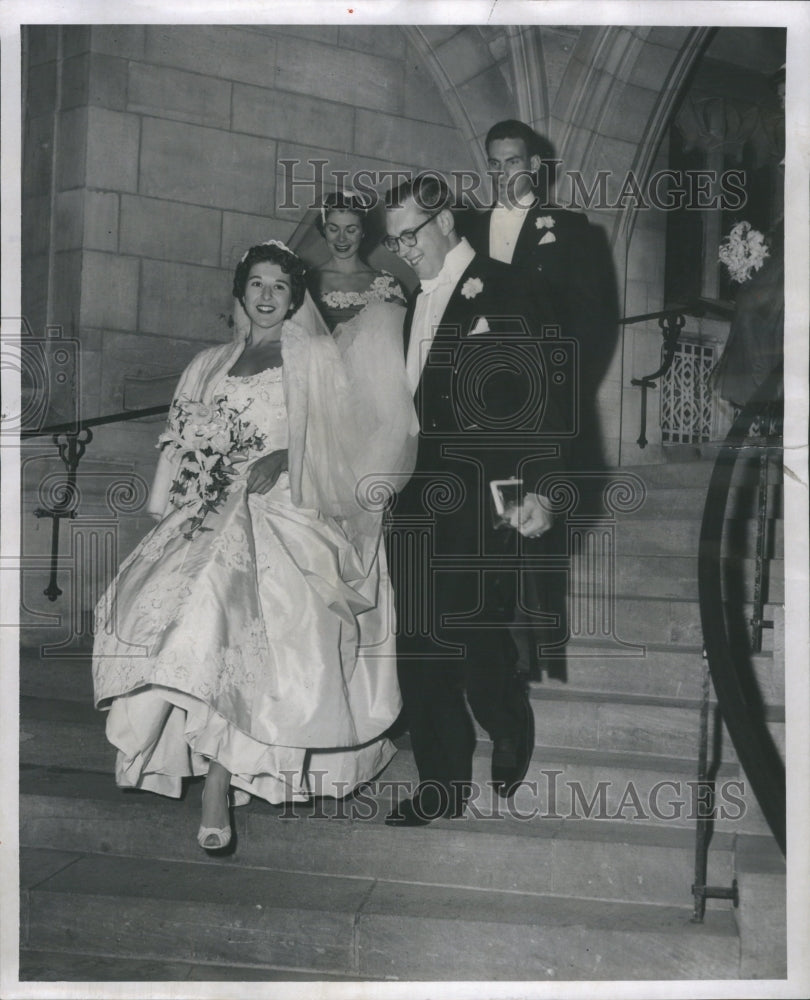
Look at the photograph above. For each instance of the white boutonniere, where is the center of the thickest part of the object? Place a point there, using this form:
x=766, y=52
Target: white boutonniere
x=472, y=287
x=545, y=222
x=743, y=251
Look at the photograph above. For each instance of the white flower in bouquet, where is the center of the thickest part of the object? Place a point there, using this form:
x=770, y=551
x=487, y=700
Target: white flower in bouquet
x=208, y=439
x=743, y=251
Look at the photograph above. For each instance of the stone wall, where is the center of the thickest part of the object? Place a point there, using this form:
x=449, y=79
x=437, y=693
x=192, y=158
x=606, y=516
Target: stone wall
x=150, y=164
x=160, y=168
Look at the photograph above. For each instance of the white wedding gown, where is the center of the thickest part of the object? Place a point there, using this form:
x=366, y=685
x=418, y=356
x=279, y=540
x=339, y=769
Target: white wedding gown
x=242, y=644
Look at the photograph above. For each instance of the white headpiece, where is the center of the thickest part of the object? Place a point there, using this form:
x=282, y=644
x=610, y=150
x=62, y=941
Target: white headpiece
x=270, y=243
x=360, y=203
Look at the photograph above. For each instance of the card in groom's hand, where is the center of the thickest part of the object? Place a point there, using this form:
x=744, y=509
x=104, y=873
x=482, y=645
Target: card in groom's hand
x=506, y=496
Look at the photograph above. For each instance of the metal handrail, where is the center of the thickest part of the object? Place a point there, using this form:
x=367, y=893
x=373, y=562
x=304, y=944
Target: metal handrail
x=71, y=439
x=74, y=426
x=671, y=321
x=736, y=695
x=695, y=307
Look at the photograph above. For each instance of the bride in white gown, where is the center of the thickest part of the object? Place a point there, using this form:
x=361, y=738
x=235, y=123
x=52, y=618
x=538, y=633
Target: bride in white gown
x=260, y=650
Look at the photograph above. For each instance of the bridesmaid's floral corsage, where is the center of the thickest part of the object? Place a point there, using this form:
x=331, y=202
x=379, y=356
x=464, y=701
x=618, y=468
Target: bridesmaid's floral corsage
x=545, y=222
x=384, y=288
x=743, y=251
x=472, y=287
x=208, y=438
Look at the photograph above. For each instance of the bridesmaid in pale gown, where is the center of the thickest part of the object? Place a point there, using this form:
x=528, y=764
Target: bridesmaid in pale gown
x=346, y=283
x=259, y=649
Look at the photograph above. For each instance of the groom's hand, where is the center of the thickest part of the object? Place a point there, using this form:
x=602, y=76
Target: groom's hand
x=533, y=517
x=264, y=472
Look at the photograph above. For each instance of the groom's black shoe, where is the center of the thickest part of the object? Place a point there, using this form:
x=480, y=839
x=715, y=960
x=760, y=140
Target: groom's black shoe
x=512, y=754
x=407, y=813
x=430, y=802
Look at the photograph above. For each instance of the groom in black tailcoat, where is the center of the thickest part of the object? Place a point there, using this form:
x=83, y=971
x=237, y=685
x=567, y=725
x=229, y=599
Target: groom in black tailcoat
x=491, y=408
x=527, y=229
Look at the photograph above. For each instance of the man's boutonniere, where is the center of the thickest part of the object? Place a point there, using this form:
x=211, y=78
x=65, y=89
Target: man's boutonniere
x=743, y=251
x=545, y=222
x=472, y=287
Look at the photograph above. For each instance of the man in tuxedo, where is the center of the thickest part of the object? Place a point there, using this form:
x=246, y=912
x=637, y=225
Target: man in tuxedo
x=486, y=414
x=527, y=230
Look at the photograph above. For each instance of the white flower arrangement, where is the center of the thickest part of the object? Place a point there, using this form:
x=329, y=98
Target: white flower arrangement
x=743, y=251
x=337, y=299
x=472, y=287
x=383, y=289
x=208, y=438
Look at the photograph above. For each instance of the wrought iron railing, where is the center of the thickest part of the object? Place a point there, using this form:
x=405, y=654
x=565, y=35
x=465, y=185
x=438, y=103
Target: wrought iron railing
x=728, y=659
x=71, y=440
x=671, y=321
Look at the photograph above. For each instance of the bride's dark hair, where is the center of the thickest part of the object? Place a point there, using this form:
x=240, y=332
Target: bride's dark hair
x=272, y=253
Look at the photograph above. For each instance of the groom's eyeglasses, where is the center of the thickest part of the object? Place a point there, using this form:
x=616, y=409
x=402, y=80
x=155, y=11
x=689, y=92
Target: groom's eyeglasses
x=408, y=238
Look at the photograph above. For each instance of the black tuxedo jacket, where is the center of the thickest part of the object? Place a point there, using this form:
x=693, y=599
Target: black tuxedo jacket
x=562, y=254
x=488, y=405
x=573, y=259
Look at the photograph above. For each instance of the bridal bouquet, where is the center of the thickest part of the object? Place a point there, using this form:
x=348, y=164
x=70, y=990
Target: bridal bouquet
x=208, y=439
x=743, y=251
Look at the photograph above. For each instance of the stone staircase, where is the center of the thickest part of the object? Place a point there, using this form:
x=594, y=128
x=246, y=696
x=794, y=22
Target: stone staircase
x=586, y=876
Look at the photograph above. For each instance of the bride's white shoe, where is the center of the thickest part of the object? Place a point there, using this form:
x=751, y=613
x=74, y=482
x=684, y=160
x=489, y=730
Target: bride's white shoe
x=212, y=838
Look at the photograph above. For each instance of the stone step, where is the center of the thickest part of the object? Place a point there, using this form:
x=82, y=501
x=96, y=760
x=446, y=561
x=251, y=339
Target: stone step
x=630, y=724
x=60, y=678
x=590, y=781
x=562, y=718
x=743, y=502
x=641, y=620
x=698, y=473
x=676, y=576
x=604, y=859
x=678, y=536
x=174, y=910
x=643, y=788
x=661, y=671
x=563, y=721
x=68, y=966
x=762, y=914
